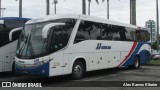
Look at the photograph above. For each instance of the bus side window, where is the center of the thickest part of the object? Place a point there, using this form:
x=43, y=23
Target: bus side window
x=144, y=36
x=95, y=31
x=83, y=32
x=113, y=32
x=59, y=37
x=4, y=37
x=107, y=32
x=138, y=36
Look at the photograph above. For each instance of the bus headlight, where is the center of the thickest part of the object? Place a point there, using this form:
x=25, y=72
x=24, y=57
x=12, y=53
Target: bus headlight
x=43, y=62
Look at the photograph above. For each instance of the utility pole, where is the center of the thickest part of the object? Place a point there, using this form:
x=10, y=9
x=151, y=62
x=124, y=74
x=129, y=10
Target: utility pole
x=151, y=32
x=133, y=12
x=157, y=10
x=107, y=9
x=20, y=8
x=0, y=8
x=83, y=6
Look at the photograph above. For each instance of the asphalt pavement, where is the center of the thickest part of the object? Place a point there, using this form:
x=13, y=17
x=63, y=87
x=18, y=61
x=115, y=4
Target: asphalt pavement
x=104, y=79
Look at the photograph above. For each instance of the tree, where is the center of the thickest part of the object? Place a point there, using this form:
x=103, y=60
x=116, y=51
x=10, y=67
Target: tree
x=47, y=7
x=154, y=45
x=89, y=6
x=107, y=8
x=89, y=2
x=83, y=6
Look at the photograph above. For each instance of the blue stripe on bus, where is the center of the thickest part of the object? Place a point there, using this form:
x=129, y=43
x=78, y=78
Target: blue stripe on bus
x=144, y=55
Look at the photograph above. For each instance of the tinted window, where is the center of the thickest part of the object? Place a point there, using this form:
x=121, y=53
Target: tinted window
x=99, y=31
x=6, y=28
x=142, y=36
x=83, y=32
x=4, y=37
x=116, y=33
x=10, y=24
x=60, y=35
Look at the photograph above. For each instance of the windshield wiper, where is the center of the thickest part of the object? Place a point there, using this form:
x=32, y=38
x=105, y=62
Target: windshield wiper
x=23, y=46
x=26, y=45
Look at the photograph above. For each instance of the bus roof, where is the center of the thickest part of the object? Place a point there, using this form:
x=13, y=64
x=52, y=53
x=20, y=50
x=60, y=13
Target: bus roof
x=14, y=18
x=78, y=16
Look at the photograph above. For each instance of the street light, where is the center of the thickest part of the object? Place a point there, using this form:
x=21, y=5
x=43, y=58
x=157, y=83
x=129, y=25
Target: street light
x=133, y=12
x=2, y=9
x=157, y=10
x=151, y=32
x=55, y=2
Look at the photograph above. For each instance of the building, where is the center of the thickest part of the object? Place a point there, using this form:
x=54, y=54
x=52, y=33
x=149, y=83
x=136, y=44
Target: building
x=151, y=26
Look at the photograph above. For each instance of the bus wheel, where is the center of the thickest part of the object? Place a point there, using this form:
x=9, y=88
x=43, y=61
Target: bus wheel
x=136, y=64
x=78, y=70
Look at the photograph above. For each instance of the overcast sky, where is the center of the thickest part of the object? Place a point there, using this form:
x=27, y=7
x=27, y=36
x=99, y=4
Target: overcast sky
x=119, y=9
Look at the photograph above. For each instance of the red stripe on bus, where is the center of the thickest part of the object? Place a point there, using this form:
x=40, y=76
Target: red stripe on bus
x=129, y=54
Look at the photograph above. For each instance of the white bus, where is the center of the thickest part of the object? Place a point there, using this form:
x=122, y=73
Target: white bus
x=7, y=47
x=74, y=44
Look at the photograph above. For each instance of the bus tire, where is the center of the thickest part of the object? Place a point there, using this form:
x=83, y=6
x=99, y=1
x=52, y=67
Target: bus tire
x=136, y=64
x=78, y=70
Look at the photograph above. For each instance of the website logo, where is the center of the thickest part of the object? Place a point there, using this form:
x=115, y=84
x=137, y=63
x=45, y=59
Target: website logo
x=6, y=84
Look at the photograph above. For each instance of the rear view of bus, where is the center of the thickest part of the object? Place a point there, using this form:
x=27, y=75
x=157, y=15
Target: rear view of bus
x=73, y=44
x=7, y=47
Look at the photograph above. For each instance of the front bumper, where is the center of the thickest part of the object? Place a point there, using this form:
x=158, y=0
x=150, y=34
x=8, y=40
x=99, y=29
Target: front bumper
x=42, y=70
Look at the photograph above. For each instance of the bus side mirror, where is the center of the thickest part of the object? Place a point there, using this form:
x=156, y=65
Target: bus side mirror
x=12, y=31
x=48, y=27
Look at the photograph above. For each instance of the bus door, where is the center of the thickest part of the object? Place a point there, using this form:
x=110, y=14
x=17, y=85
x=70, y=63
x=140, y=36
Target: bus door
x=56, y=63
x=56, y=44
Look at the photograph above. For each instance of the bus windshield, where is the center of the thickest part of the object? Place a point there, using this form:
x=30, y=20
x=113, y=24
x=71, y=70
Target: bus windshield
x=32, y=45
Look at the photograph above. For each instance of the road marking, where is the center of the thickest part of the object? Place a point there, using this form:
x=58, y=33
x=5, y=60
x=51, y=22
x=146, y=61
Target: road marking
x=130, y=71
x=92, y=79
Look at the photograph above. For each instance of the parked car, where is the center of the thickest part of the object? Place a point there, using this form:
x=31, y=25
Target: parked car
x=156, y=57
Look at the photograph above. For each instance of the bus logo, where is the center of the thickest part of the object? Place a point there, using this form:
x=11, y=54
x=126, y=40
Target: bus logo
x=36, y=61
x=99, y=46
x=20, y=61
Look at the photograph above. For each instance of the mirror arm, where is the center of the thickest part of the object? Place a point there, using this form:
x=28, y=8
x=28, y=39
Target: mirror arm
x=47, y=27
x=12, y=31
